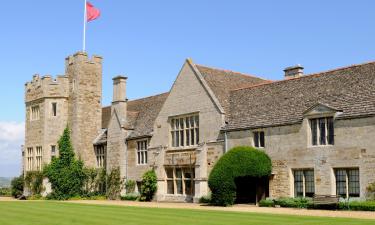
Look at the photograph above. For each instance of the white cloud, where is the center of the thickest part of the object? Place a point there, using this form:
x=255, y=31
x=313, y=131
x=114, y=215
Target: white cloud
x=11, y=138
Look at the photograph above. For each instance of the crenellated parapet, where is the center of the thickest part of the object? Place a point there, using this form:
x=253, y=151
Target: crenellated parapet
x=46, y=87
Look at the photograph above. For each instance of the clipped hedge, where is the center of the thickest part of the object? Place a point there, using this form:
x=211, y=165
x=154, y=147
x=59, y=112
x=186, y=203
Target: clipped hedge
x=266, y=203
x=358, y=206
x=294, y=202
x=240, y=161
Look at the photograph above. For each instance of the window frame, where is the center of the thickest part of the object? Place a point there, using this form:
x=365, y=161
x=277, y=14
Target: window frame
x=34, y=112
x=30, y=159
x=142, y=152
x=53, y=109
x=182, y=180
x=348, y=182
x=257, y=138
x=321, y=131
x=38, y=158
x=184, y=131
x=100, y=154
x=303, y=175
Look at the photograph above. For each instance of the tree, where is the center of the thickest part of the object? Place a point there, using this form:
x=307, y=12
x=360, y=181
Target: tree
x=149, y=185
x=65, y=173
x=17, y=186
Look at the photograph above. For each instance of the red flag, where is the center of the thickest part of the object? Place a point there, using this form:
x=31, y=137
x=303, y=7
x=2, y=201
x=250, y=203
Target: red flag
x=92, y=12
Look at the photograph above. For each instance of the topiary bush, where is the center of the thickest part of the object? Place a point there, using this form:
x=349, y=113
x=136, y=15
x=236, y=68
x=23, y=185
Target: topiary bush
x=65, y=173
x=149, y=186
x=266, y=203
x=240, y=161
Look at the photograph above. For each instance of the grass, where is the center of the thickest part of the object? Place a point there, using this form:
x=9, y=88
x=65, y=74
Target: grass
x=60, y=213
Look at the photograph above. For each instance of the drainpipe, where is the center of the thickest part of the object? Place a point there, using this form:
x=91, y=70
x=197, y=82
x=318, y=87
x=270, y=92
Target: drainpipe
x=225, y=141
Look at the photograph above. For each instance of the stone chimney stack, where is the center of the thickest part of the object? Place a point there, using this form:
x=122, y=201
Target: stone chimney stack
x=119, y=89
x=293, y=71
x=119, y=101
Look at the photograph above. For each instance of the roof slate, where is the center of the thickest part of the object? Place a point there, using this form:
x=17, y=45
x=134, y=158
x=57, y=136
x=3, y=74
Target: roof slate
x=222, y=81
x=350, y=90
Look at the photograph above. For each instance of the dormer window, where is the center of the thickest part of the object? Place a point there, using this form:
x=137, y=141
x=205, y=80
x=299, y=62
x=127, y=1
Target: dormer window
x=322, y=131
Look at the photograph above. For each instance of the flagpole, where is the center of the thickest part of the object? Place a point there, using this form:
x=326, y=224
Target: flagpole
x=84, y=27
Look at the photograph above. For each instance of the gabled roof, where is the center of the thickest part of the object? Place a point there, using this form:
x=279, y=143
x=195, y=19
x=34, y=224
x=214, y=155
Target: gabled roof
x=145, y=111
x=349, y=89
x=222, y=82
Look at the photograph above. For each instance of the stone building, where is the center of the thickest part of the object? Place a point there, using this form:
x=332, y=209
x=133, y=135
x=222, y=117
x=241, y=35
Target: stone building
x=318, y=129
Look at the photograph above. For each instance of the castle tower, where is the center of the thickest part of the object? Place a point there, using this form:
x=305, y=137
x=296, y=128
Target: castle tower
x=46, y=101
x=85, y=109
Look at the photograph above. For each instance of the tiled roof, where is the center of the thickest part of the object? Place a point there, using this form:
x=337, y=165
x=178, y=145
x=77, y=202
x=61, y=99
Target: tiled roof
x=222, y=81
x=147, y=109
x=350, y=90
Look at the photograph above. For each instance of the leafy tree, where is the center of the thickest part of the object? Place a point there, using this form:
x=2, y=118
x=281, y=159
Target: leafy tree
x=65, y=173
x=17, y=186
x=149, y=185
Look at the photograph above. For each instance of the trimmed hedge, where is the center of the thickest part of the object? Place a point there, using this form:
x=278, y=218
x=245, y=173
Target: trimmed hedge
x=294, y=202
x=240, y=161
x=266, y=203
x=358, y=206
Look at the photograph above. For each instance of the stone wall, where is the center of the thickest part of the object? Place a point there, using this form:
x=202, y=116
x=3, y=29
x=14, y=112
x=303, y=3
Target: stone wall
x=289, y=148
x=187, y=96
x=85, y=95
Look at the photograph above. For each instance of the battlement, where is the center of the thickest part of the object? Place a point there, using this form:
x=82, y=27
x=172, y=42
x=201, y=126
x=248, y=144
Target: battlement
x=46, y=87
x=80, y=57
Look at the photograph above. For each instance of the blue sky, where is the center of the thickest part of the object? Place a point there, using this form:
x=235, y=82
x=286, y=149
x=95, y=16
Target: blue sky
x=149, y=40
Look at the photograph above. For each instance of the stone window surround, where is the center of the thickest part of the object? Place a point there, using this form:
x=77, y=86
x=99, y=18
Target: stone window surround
x=182, y=179
x=54, y=109
x=346, y=180
x=30, y=159
x=38, y=158
x=259, y=143
x=308, y=130
x=142, y=152
x=34, y=112
x=197, y=139
x=303, y=180
x=100, y=154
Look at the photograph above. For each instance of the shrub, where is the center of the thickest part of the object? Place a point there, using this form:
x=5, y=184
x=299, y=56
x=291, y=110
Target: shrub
x=65, y=173
x=358, y=206
x=5, y=192
x=238, y=162
x=294, y=202
x=34, y=182
x=114, y=184
x=149, y=185
x=95, y=182
x=266, y=203
x=205, y=199
x=370, y=191
x=17, y=186
x=130, y=186
x=130, y=197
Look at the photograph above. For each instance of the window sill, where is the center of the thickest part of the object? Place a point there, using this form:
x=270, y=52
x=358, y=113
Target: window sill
x=187, y=148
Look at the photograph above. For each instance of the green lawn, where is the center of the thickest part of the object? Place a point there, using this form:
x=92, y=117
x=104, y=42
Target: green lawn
x=58, y=213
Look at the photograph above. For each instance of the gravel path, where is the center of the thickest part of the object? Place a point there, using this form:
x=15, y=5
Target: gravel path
x=236, y=208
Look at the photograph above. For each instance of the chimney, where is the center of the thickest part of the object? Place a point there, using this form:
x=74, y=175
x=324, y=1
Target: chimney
x=293, y=71
x=119, y=89
x=119, y=102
